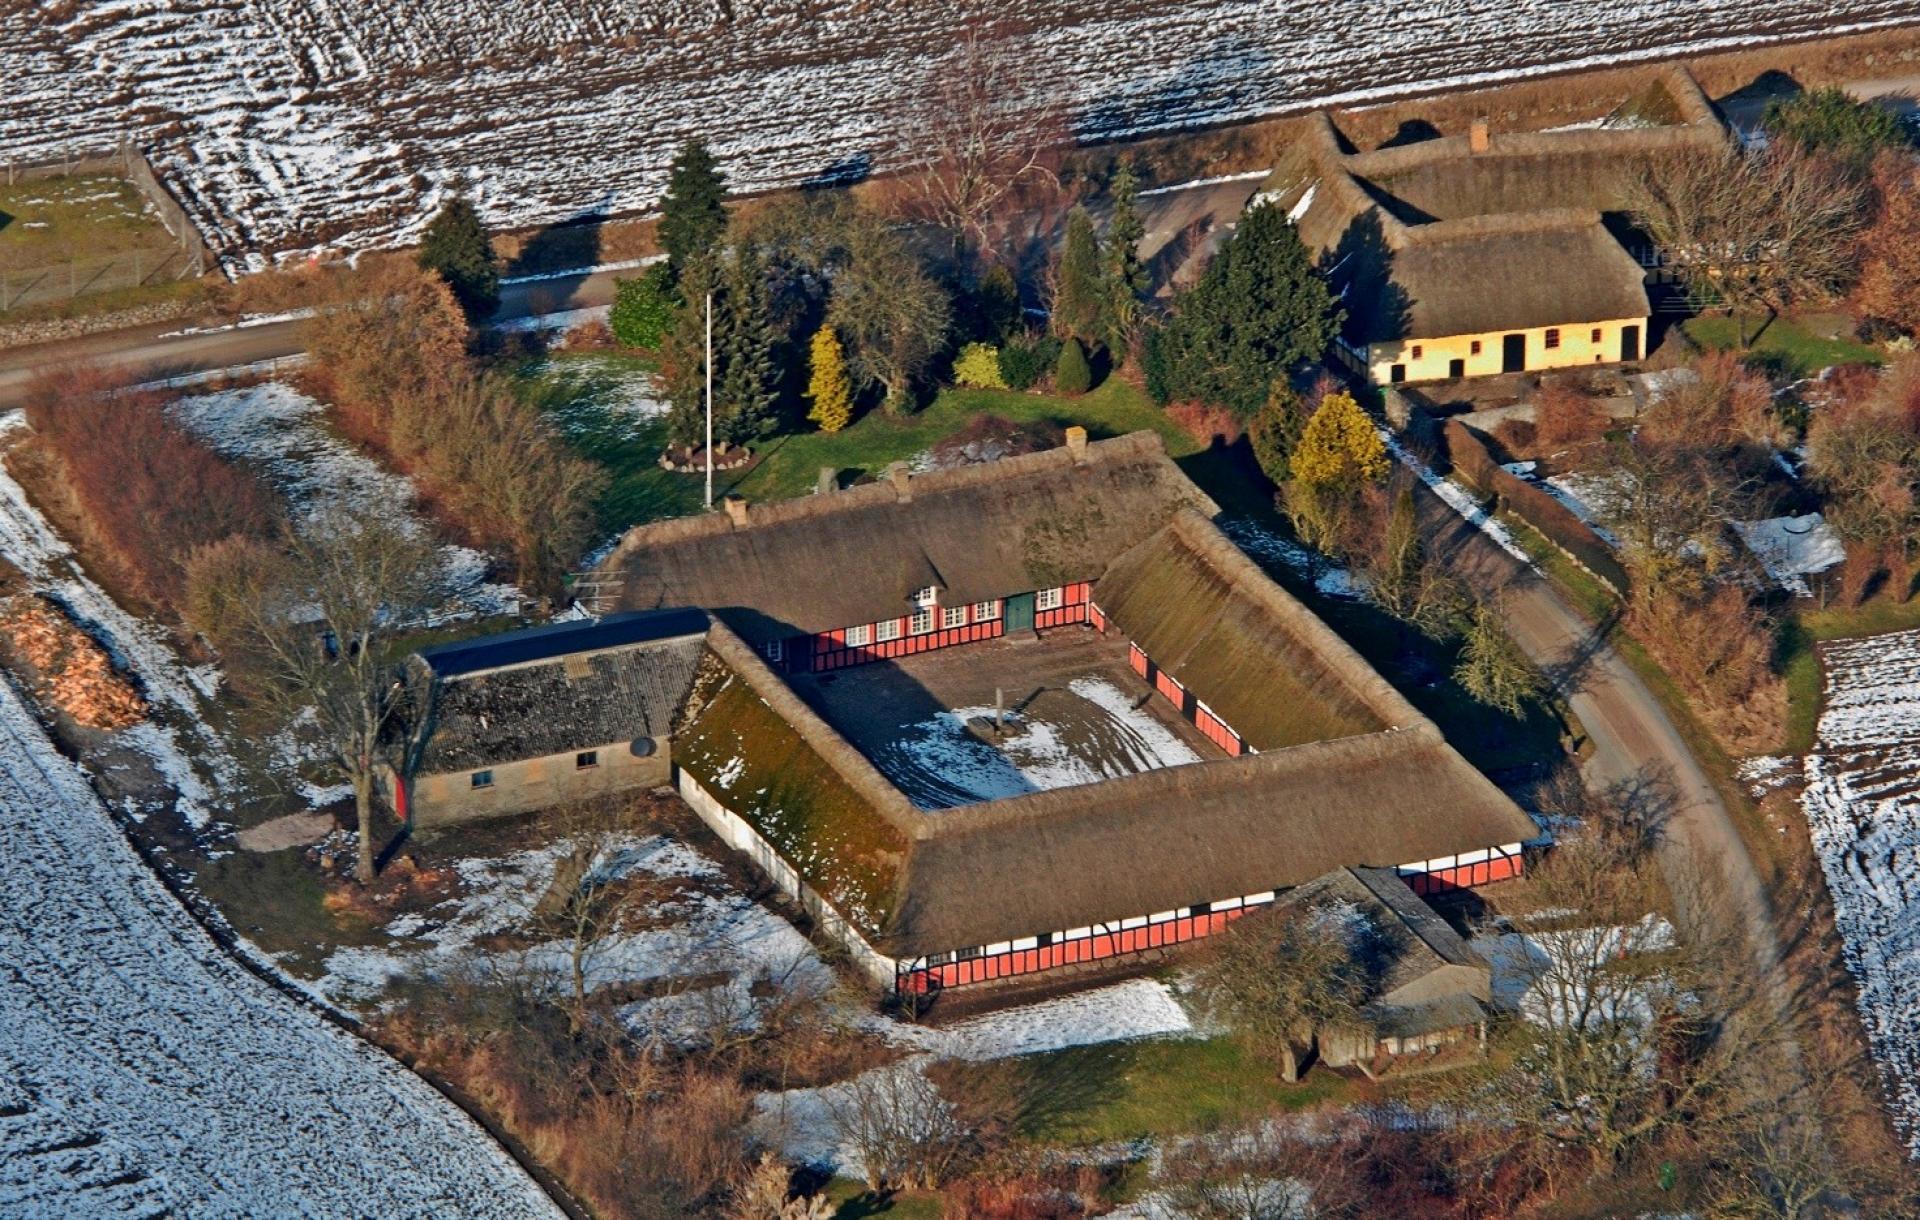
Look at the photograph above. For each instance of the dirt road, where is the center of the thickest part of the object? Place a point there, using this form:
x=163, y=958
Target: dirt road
x=1633, y=739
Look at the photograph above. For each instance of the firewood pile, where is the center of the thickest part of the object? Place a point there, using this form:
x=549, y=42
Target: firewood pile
x=73, y=671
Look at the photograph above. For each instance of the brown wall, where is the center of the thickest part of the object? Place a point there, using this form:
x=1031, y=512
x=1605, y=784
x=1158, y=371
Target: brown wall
x=536, y=783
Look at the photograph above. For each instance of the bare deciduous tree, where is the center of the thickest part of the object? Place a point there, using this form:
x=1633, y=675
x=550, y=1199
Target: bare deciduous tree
x=1492, y=668
x=1276, y=977
x=311, y=627
x=983, y=134
x=1763, y=231
x=904, y=1131
x=890, y=313
x=1261, y=1174
x=1668, y=505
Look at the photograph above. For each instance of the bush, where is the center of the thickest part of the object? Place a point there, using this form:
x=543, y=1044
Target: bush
x=1025, y=361
x=1072, y=375
x=978, y=367
x=152, y=489
x=1204, y=423
x=643, y=308
x=1565, y=415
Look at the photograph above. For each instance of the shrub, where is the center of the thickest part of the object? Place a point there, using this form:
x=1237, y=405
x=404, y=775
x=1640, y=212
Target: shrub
x=1276, y=430
x=152, y=489
x=1072, y=375
x=978, y=367
x=1565, y=415
x=1025, y=361
x=827, y=386
x=1206, y=423
x=643, y=308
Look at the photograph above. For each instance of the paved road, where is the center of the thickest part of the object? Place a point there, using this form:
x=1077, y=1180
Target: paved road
x=1631, y=733
x=1181, y=225
x=150, y=350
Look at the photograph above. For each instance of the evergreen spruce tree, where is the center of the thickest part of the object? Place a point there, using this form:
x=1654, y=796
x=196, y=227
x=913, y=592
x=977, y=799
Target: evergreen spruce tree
x=458, y=247
x=1079, y=294
x=1126, y=276
x=693, y=214
x=997, y=305
x=745, y=390
x=827, y=386
x=1072, y=375
x=683, y=359
x=1259, y=311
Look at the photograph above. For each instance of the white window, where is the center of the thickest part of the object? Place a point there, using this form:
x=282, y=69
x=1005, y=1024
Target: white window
x=925, y=597
x=887, y=629
x=857, y=636
x=920, y=623
x=774, y=650
x=953, y=616
x=1047, y=599
x=985, y=612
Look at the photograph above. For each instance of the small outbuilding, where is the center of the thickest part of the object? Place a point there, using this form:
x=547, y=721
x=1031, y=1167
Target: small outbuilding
x=536, y=718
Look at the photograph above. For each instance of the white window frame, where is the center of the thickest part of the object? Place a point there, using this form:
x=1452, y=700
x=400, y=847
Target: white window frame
x=921, y=623
x=859, y=636
x=953, y=616
x=1049, y=599
x=927, y=597
x=885, y=630
x=774, y=650
x=985, y=612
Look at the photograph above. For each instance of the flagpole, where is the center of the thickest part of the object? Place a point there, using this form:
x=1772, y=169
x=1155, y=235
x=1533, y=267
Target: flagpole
x=709, y=400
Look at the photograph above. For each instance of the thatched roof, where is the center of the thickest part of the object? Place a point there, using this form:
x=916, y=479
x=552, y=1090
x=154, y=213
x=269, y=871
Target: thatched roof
x=1431, y=239
x=857, y=556
x=1262, y=661
x=551, y=690
x=1173, y=837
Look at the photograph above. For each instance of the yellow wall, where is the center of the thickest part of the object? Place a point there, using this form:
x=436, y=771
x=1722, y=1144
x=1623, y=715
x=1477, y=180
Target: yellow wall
x=537, y=783
x=1576, y=349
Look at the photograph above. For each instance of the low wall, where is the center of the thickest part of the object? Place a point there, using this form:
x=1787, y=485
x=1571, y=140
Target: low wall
x=1556, y=522
x=743, y=838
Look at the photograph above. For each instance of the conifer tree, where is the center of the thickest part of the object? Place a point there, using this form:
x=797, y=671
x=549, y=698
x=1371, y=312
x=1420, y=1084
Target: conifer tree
x=1339, y=449
x=693, y=213
x=1079, y=295
x=683, y=353
x=745, y=397
x=827, y=385
x=457, y=246
x=1072, y=375
x=1259, y=310
x=1126, y=277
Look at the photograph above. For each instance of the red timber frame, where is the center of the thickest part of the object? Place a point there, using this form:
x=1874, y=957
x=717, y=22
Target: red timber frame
x=1464, y=871
x=1189, y=705
x=829, y=650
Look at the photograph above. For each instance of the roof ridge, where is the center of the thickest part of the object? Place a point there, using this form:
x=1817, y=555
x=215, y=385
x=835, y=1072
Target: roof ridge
x=1502, y=224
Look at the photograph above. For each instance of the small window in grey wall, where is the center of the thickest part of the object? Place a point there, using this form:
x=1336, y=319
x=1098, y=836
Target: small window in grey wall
x=644, y=747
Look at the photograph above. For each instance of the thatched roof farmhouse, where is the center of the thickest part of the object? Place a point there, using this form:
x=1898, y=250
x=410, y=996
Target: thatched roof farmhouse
x=1308, y=760
x=1490, y=252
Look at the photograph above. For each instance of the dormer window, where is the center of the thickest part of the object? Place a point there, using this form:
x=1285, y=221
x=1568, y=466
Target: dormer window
x=925, y=598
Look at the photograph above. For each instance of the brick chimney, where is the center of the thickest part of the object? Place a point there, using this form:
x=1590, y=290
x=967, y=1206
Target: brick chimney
x=828, y=482
x=1479, y=135
x=898, y=475
x=736, y=507
x=1077, y=444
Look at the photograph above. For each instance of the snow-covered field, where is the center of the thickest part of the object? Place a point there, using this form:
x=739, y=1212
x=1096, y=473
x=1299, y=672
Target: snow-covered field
x=1862, y=803
x=144, y=1073
x=286, y=125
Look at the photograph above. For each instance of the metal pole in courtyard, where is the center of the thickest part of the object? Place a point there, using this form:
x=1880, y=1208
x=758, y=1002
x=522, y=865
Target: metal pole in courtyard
x=709, y=400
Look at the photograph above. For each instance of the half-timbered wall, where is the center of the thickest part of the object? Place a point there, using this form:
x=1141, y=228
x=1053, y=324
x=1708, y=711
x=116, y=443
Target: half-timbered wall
x=1190, y=706
x=1464, y=871
x=862, y=643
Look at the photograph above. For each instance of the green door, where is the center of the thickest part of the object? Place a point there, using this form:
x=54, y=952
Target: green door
x=1020, y=613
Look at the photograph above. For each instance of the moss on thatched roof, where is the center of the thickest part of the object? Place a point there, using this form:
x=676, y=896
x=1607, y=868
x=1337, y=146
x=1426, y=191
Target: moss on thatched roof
x=1264, y=663
x=760, y=766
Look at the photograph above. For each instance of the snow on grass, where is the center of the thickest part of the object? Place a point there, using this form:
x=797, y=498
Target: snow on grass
x=1580, y=492
x=1090, y=732
x=175, y=737
x=597, y=396
x=1542, y=975
x=1862, y=802
x=491, y=924
x=286, y=126
x=806, y=1124
x=1271, y=550
x=144, y=1072
x=1793, y=548
x=562, y=321
x=282, y=433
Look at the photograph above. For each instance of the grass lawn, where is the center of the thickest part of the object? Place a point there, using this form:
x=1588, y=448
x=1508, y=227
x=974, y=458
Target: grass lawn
x=88, y=216
x=1791, y=344
x=855, y=1203
x=1119, y=1091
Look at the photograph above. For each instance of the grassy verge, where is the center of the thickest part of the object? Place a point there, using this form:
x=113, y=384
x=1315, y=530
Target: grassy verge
x=856, y=1203
x=1793, y=345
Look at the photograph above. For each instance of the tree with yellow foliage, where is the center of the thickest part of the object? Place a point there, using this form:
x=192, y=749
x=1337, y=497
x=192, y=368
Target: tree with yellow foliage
x=1340, y=452
x=828, y=389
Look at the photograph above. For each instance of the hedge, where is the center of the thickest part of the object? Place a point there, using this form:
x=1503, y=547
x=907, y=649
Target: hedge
x=1556, y=522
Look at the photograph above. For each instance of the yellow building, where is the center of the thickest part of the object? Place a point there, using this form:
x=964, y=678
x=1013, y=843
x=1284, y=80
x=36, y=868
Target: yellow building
x=1482, y=253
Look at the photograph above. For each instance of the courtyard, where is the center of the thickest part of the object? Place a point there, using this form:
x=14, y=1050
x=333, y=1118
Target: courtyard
x=1072, y=713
